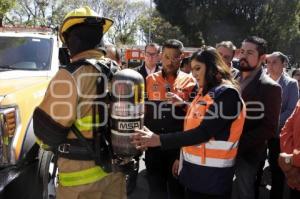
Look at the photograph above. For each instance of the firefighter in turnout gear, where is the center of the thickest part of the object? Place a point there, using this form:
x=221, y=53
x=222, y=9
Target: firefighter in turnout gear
x=72, y=120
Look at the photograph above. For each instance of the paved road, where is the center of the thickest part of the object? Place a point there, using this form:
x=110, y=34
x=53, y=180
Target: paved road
x=142, y=189
x=22, y=188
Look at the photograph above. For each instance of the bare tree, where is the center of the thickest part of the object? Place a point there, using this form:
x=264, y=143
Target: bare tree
x=5, y=6
x=40, y=12
x=51, y=12
x=125, y=14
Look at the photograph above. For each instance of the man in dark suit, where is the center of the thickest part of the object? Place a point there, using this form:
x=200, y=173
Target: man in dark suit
x=262, y=96
x=275, y=66
x=150, y=64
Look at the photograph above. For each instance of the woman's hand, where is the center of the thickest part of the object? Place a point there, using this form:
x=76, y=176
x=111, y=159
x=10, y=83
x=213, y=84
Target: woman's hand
x=291, y=172
x=175, y=168
x=144, y=138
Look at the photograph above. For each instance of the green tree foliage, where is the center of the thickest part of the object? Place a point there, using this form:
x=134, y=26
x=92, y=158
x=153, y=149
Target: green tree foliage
x=216, y=20
x=160, y=29
x=5, y=6
x=280, y=24
x=50, y=13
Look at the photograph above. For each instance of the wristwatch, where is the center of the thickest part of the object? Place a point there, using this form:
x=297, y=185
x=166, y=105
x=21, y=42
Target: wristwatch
x=288, y=159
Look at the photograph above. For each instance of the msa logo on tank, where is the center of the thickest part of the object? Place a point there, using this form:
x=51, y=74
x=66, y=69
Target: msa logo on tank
x=129, y=125
x=127, y=111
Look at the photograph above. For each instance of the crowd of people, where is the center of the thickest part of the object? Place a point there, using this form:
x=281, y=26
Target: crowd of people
x=211, y=119
x=238, y=114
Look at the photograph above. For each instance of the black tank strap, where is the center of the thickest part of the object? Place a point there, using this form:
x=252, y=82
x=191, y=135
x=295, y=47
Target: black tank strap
x=72, y=67
x=100, y=131
x=101, y=67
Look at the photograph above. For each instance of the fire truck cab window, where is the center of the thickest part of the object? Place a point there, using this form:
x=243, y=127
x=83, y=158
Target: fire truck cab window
x=26, y=53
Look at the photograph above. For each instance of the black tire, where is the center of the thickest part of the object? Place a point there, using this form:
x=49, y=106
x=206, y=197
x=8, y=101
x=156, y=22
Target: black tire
x=47, y=180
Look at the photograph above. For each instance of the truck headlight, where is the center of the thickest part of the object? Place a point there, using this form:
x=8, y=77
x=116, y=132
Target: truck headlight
x=9, y=122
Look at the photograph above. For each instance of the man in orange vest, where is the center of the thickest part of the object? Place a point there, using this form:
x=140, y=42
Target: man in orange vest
x=163, y=117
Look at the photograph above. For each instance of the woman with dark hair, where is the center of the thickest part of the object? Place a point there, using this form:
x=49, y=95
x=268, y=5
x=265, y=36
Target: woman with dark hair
x=212, y=129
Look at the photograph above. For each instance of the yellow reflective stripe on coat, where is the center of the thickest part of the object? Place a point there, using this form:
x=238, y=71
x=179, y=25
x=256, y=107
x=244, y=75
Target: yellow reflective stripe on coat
x=85, y=123
x=82, y=177
x=5, y=140
x=41, y=144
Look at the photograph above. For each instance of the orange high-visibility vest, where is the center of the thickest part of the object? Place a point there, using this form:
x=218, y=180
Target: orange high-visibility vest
x=214, y=153
x=158, y=86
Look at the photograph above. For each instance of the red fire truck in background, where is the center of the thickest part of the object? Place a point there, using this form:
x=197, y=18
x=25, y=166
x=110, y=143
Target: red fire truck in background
x=133, y=57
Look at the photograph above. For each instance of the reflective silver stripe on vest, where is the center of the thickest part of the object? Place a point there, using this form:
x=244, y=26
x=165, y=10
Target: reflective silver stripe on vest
x=209, y=162
x=220, y=145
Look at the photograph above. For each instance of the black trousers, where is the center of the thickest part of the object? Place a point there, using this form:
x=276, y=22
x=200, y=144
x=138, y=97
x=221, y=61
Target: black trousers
x=162, y=184
x=196, y=195
x=294, y=194
x=259, y=178
x=278, y=177
x=246, y=169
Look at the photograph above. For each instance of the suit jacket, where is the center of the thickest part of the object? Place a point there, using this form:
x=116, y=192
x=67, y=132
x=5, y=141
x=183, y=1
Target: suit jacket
x=290, y=94
x=142, y=70
x=262, y=97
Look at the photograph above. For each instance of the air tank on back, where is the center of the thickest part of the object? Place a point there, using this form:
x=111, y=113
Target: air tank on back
x=127, y=111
